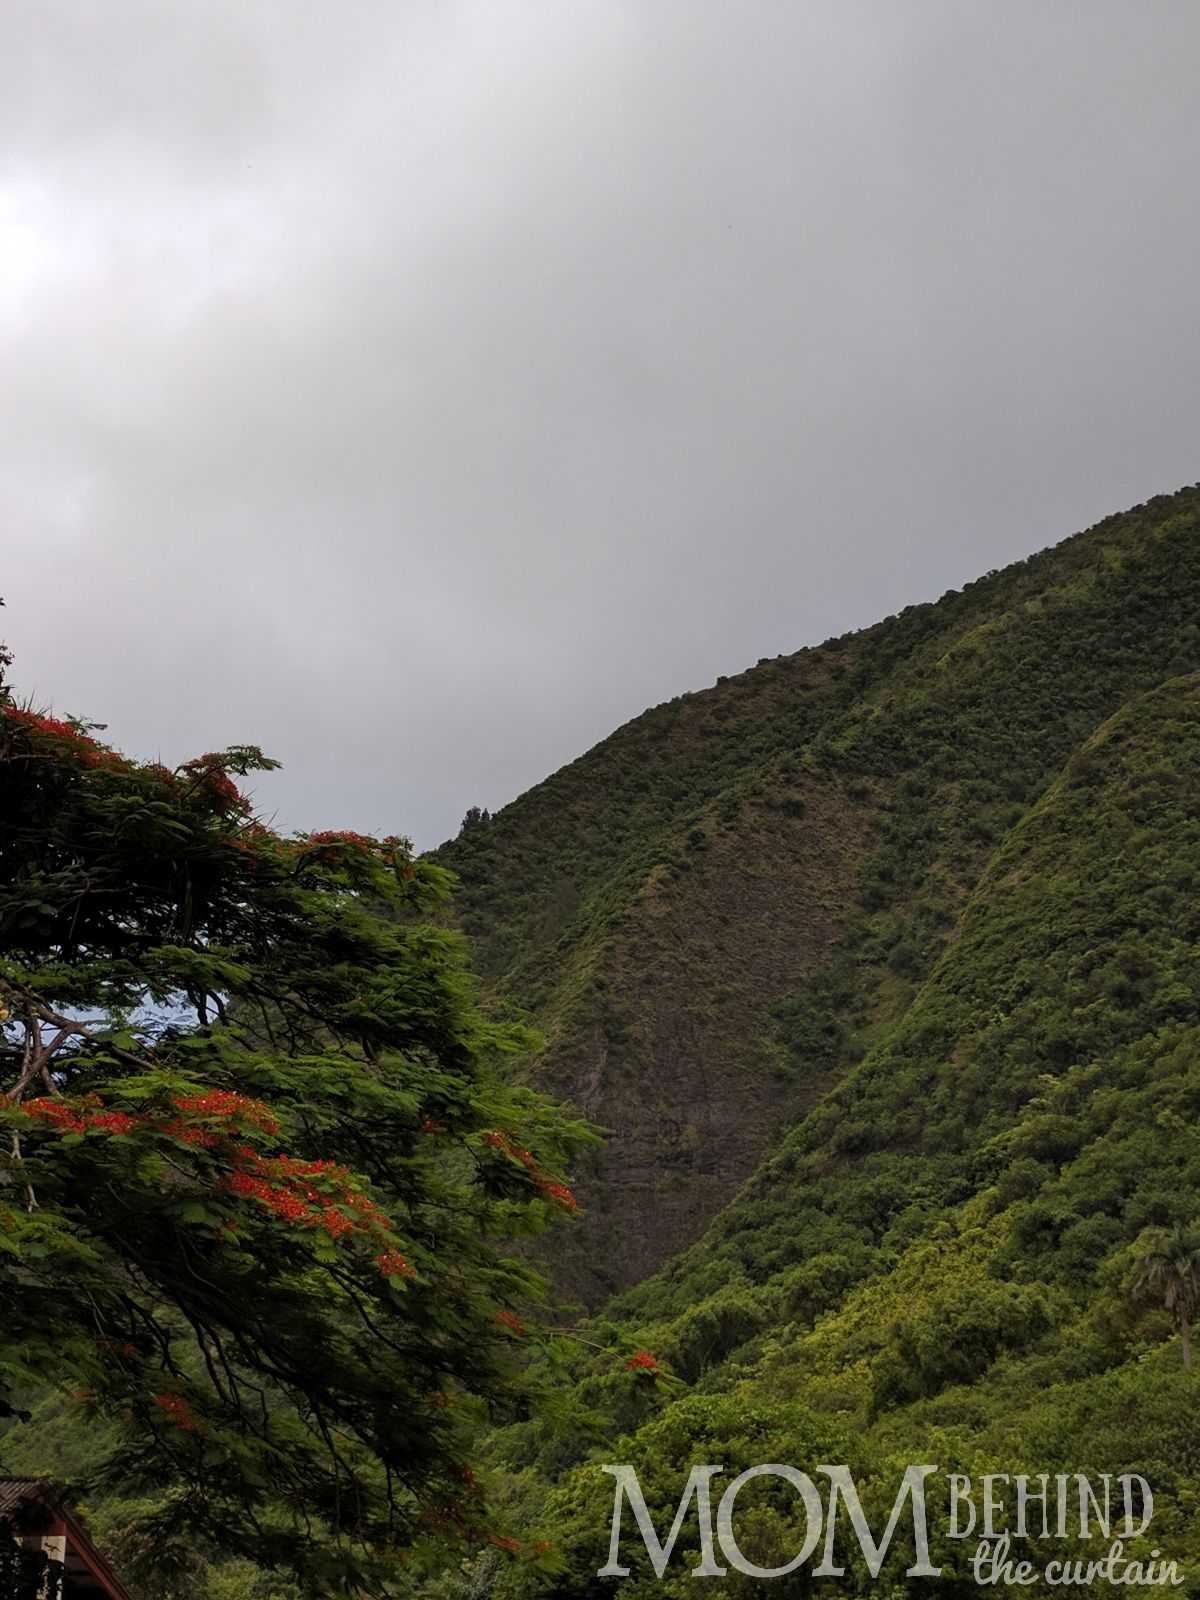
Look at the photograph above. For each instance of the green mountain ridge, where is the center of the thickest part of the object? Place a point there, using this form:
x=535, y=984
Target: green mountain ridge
x=940, y=1260
x=717, y=910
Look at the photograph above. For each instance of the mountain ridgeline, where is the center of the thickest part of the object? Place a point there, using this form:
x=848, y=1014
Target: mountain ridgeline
x=721, y=915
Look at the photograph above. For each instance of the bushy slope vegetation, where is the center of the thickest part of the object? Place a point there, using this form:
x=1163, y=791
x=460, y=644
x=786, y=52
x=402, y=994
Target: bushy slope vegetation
x=941, y=1261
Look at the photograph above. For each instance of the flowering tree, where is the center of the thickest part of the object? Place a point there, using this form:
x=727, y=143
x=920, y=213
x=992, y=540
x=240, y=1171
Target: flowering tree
x=254, y=1158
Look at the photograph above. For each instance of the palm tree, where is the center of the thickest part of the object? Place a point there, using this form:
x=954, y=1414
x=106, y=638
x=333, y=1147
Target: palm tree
x=1170, y=1272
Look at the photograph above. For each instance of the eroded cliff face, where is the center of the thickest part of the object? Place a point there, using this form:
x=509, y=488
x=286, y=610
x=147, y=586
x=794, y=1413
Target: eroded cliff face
x=669, y=1041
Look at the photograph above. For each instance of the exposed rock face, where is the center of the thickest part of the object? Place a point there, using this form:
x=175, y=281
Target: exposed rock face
x=681, y=1058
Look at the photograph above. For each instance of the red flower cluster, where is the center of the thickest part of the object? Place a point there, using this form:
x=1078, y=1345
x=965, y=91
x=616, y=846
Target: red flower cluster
x=303, y=1194
x=85, y=749
x=112, y=759
x=250, y=839
x=285, y=1187
x=428, y=1125
x=346, y=836
x=175, y=1408
x=504, y=1541
x=393, y=1265
x=85, y=1118
x=505, y=1319
x=231, y=1112
x=49, y=725
x=83, y=746
x=234, y=1110
x=212, y=776
x=644, y=1364
x=335, y=843
x=558, y=1192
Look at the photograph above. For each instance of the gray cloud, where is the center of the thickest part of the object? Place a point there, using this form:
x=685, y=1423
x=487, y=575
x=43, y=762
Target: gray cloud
x=421, y=390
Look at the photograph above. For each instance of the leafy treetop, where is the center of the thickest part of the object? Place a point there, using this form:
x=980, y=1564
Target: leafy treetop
x=256, y=1158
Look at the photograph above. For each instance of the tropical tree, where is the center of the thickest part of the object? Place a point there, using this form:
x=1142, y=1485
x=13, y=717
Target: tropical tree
x=1169, y=1270
x=256, y=1158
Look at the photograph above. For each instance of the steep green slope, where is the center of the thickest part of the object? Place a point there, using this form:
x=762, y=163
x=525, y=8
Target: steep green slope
x=718, y=910
x=940, y=1262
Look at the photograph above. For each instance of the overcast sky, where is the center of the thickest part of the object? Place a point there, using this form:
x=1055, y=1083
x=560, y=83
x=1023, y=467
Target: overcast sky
x=422, y=388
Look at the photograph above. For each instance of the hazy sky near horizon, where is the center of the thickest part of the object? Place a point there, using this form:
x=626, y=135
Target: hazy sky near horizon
x=422, y=388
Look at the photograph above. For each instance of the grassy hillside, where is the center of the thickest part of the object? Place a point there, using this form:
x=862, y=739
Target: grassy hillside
x=940, y=1261
x=719, y=910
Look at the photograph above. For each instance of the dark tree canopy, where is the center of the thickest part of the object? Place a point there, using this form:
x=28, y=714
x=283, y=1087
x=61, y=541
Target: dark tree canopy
x=255, y=1158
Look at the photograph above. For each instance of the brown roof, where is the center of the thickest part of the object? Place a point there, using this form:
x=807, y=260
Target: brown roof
x=14, y=1492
